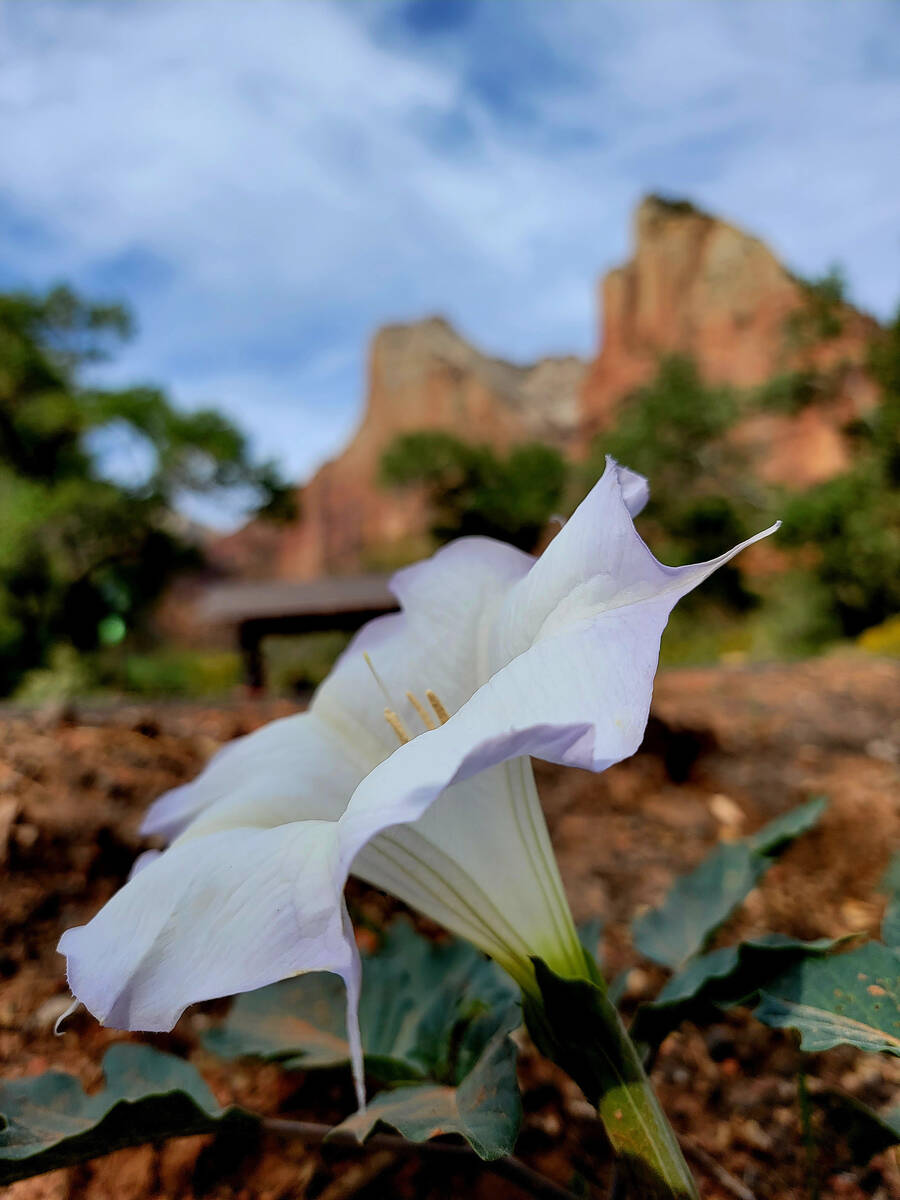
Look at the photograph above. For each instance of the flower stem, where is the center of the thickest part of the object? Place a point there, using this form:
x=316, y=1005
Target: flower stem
x=574, y=1023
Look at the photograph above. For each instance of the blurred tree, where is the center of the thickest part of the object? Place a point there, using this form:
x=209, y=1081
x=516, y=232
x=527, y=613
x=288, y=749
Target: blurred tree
x=674, y=431
x=473, y=490
x=820, y=317
x=851, y=523
x=81, y=554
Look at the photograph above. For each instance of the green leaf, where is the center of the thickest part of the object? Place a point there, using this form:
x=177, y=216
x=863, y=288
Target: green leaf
x=778, y=834
x=425, y=1010
x=721, y=978
x=432, y=1015
x=867, y=1132
x=47, y=1121
x=890, y=883
x=589, y=934
x=486, y=1108
x=699, y=902
x=851, y=998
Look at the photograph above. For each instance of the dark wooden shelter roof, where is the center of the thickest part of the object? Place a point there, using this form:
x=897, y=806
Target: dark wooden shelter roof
x=235, y=603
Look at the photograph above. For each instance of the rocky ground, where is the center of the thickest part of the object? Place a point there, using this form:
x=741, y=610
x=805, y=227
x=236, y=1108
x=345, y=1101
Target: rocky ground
x=727, y=749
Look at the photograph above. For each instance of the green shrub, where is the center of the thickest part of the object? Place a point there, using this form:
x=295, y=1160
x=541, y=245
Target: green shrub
x=170, y=672
x=471, y=489
x=883, y=639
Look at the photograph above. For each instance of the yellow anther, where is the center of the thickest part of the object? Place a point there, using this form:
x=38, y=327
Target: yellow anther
x=397, y=725
x=427, y=719
x=442, y=715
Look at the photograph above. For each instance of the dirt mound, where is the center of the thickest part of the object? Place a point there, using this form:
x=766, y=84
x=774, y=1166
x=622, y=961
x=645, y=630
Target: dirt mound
x=726, y=750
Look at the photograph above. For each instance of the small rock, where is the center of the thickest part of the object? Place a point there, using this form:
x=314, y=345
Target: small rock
x=728, y=813
x=883, y=749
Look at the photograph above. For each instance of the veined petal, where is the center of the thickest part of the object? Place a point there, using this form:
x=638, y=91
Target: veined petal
x=226, y=913
x=599, y=542
x=578, y=694
x=439, y=641
x=294, y=769
x=479, y=861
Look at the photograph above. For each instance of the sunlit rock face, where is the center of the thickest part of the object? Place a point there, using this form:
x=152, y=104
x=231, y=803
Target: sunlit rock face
x=701, y=287
x=420, y=376
x=695, y=285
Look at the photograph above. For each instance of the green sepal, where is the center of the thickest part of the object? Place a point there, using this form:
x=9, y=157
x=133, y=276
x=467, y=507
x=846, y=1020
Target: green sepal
x=47, y=1121
x=574, y=1023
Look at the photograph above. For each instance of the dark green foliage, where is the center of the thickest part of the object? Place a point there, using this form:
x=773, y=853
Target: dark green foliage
x=47, y=1121
x=473, y=490
x=677, y=205
x=724, y=977
x=850, y=525
x=432, y=1016
x=851, y=998
x=866, y=1131
x=890, y=885
x=820, y=318
x=77, y=550
x=485, y=1108
x=796, y=390
x=674, y=432
x=699, y=902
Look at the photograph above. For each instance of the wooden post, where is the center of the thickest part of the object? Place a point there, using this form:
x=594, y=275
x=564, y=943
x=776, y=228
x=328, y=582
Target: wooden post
x=250, y=636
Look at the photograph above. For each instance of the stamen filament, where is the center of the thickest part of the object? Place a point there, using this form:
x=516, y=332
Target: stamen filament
x=377, y=678
x=440, y=712
x=427, y=719
x=397, y=725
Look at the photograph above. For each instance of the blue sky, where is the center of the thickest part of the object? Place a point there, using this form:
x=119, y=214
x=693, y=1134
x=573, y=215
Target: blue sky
x=267, y=181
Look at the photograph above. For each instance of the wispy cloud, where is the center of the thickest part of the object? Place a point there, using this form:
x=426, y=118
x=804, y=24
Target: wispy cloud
x=269, y=181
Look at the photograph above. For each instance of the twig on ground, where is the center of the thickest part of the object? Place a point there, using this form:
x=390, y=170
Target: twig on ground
x=511, y=1169
x=728, y=1181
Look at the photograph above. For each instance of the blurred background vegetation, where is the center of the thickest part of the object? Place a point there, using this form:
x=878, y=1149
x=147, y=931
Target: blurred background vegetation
x=91, y=481
x=837, y=576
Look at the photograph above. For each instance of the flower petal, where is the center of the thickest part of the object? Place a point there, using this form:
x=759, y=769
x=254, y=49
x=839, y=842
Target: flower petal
x=578, y=694
x=438, y=642
x=226, y=913
x=635, y=489
x=296, y=768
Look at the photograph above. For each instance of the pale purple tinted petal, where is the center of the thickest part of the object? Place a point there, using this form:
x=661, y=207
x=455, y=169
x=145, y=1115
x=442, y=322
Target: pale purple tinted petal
x=143, y=861
x=438, y=642
x=598, y=542
x=580, y=695
x=297, y=767
x=227, y=913
x=635, y=490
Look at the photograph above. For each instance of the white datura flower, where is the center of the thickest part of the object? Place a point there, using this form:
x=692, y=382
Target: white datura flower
x=411, y=769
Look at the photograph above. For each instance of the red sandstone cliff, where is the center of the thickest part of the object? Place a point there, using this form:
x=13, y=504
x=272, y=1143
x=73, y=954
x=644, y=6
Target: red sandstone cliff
x=701, y=287
x=421, y=376
x=695, y=285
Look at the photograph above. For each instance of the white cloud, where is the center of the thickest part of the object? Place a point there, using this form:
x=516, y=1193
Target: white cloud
x=269, y=181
